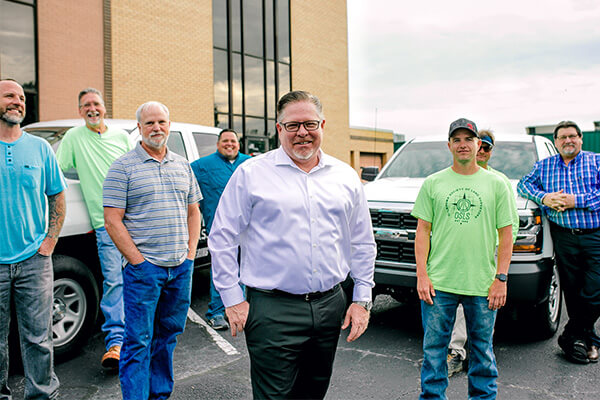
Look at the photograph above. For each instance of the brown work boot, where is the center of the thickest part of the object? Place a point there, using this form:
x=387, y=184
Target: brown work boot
x=110, y=359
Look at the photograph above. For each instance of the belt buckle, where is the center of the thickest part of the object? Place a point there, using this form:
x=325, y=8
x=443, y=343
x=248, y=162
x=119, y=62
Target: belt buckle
x=307, y=297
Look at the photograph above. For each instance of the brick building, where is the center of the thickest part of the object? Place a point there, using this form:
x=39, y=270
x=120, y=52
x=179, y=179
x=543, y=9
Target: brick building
x=212, y=62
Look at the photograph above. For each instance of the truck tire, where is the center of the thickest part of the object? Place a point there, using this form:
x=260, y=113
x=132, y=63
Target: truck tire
x=546, y=315
x=75, y=305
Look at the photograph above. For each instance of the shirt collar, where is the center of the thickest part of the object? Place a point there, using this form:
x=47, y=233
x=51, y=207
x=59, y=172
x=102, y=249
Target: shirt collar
x=574, y=161
x=282, y=158
x=222, y=157
x=144, y=156
x=23, y=134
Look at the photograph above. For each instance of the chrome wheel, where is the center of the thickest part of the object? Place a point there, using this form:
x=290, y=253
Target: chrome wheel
x=70, y=307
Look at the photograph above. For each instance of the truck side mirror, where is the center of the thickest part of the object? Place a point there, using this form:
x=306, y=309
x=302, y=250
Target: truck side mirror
x=368, y=173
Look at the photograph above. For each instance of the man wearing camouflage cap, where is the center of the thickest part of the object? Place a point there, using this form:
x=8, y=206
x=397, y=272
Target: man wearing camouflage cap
x=459, y=211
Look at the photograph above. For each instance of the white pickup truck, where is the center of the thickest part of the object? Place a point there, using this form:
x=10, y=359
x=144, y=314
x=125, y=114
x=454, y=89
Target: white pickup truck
x=77, y=274
x=534, y=291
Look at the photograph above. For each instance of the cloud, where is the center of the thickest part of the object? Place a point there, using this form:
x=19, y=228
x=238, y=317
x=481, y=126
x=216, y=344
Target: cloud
x=514, y=64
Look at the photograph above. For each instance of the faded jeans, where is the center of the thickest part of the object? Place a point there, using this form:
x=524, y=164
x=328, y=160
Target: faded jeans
x=30, y=283
x=156, y=301
x=438, y=320
x=111, y=304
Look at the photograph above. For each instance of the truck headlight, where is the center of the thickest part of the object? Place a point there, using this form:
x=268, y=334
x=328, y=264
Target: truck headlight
x=529, y=238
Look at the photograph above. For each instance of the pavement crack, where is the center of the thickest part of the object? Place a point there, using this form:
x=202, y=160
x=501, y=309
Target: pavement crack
x=366, y=353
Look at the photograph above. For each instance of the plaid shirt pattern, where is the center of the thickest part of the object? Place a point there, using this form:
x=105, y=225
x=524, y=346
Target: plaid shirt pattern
x=580, y=177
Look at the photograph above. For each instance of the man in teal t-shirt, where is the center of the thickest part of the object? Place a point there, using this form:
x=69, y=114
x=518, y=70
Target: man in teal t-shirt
x=461, y=210
x=32, y=192
x=91, y=149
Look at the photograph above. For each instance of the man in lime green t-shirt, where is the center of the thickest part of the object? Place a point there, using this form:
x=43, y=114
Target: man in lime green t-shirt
x=91, y=149
x=457, y=350
x=461, y=210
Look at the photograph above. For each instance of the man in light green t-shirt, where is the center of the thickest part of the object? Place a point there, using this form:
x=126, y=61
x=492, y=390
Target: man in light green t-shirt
x=461, y=211
x=457, y=351
x=91, y=149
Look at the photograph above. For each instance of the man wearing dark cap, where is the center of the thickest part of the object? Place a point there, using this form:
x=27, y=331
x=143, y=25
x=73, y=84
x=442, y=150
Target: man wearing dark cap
x=458, y=350
x=459, y=211
x=567, y=187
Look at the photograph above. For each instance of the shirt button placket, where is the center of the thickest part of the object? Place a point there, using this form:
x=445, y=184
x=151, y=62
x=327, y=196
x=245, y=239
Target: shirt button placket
x=312, y=229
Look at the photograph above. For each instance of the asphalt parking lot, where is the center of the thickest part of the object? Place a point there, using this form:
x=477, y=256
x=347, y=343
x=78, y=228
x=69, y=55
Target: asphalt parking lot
x=383, y=364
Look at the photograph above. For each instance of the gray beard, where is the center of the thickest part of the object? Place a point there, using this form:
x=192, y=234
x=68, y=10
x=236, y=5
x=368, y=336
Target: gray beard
x=10, y=120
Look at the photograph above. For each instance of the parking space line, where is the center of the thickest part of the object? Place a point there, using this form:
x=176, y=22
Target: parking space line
x=219, y=340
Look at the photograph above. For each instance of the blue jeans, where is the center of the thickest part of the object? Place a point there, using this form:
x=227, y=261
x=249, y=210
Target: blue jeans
x=438, y=320
x=30, y=283
x=111, y=304
x=215, y=305
x=156, y=305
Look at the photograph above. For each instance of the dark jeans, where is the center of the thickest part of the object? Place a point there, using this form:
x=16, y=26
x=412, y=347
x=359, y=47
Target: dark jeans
x=578, y=261
x=30, y=283
x=292, y=343
x=156, y=304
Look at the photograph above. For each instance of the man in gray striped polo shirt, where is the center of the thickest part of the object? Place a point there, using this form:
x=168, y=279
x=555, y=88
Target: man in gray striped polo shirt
x=151, y=213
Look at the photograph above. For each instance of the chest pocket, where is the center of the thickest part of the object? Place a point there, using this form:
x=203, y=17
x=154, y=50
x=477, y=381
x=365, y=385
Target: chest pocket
x=31, y=176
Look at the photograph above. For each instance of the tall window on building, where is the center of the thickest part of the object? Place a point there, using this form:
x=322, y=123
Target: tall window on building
x=18, y=50
x=252, y=67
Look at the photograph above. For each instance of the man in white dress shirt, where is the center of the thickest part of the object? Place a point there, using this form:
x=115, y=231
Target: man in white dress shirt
x=302, y=222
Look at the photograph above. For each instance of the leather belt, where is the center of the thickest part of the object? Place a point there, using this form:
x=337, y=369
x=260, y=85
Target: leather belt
x=304, y=297
x=574, y=231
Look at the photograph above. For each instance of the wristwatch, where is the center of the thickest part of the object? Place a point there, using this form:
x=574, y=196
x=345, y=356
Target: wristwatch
x=502, y=277
x=366, y=304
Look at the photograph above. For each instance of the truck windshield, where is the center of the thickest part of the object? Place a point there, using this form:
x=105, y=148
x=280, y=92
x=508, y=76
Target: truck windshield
x=419, y=160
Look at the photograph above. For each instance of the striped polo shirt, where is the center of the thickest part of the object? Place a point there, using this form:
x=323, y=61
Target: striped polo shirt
x=155, y=196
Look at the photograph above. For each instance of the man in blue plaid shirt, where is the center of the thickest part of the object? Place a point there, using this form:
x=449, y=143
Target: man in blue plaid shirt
x=567, y=187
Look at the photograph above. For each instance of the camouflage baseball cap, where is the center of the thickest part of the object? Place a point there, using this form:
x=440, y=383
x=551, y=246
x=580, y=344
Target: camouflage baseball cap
x=462, y=123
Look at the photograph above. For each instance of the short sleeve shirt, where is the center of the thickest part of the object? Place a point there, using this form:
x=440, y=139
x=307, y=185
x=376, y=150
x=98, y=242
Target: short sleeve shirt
x=28, y=173
x=155, y=196
x=465, y=212
x=92, y=154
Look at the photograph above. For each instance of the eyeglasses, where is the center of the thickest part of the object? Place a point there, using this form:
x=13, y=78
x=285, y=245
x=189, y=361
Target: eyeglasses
x=294, y=126
x=571, y=137
x=486, y=147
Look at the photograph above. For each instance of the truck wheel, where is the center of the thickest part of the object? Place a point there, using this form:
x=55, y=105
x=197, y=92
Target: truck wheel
x=546, y=316
x=75, y=305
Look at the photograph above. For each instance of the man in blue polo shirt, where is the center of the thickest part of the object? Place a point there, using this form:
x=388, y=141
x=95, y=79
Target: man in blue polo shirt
x=31, y=187
x=213, y=173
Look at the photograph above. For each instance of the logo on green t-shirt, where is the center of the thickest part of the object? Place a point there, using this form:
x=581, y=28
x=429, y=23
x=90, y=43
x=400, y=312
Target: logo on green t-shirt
x=463, y=205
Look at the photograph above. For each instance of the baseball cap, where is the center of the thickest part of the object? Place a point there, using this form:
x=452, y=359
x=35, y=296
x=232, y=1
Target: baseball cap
x=487, y=139
x=462, y=123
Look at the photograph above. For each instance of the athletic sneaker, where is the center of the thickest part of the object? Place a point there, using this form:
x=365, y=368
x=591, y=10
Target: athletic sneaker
x=219, y=323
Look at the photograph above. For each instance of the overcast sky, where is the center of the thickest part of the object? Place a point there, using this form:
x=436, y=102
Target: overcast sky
x=504, y=64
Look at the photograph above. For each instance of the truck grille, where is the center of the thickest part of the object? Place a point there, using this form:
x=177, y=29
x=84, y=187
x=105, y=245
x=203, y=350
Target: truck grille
x=396, y=251
x=390, y=219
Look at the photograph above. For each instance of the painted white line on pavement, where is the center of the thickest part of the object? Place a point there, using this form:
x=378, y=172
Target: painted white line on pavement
x=222, y=343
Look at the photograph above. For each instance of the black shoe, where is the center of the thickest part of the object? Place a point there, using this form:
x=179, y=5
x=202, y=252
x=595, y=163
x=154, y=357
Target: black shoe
x=575, y=350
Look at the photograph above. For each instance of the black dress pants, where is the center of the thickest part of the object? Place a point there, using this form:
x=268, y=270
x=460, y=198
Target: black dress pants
x=578, y=261
x=292, y=343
